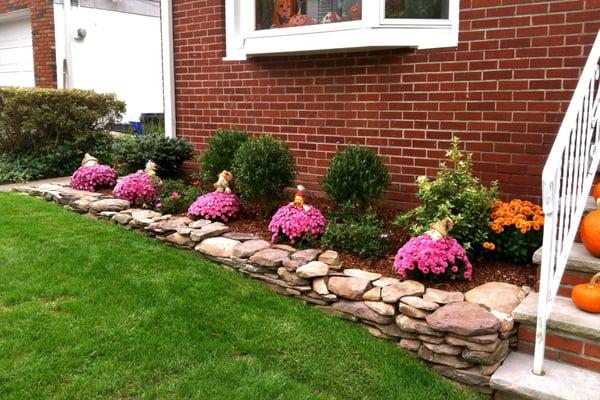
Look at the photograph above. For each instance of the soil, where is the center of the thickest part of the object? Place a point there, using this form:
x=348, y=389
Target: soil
x=483, y=270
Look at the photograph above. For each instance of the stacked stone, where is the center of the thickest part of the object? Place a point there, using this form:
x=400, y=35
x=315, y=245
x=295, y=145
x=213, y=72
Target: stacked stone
x=465, y=337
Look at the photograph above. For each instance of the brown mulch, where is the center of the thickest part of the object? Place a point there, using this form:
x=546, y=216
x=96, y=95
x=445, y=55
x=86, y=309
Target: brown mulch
x=483, y=270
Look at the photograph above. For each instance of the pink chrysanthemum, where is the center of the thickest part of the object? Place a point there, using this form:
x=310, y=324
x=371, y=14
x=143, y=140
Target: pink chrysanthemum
x=138, y=188
x=444, y=258
x=296, y=224
x=92, y=177
x=216, y=206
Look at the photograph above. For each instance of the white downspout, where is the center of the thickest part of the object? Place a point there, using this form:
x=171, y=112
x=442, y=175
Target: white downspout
x=68, y=60
x=166, y=21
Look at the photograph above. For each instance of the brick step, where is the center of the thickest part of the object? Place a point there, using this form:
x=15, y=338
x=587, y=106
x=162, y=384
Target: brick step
x=581, y=265
x=573, y=336
x=515, y=381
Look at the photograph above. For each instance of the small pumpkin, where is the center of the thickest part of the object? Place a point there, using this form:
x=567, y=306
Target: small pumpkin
x=587, y=295
x=596, y=192
x=590, y=231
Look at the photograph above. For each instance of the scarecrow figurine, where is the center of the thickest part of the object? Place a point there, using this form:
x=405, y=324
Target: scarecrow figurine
x=150, y=169
x=299, y=199
x=222, y=184
x=89, y=161
x=439, y=230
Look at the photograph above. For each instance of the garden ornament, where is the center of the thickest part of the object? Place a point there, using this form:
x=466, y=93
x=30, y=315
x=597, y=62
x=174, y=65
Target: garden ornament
x=299, y=199
x=150, y=169
x=89, y=161
x=439, y=230
x=331, y=16
x=222, y=184
x=301, y=20
x=355, y=11
x=283, y=11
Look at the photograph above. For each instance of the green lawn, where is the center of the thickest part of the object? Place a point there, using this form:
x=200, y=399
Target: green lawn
x=89, y=310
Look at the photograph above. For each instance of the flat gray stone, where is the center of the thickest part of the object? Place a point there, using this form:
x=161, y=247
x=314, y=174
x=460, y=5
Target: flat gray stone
x=81, y=205
x=248, y=248
x=560, y=381
x=285, y=247
x=393, y=293
x=466, y=376
x=500, y=296
x=269, y=258
x=241, y=237
x=377, y=333
x=483, y=339
x=444, y=348
x=390, y=329
x=431, y=339
x=359, y=273
x=122, y=219
x=348, y=287
x=489, y=347
x=579, y=259
x=169, y=225
x=330, y=257
x=442, y=296
x=200, y=224
x=419, y=303
x=360, y=310
x=464, y=319
x=410, y=344
x=145, y=217
x=564, y=317
x=485, y=358
x=291, y=265
x=291, y=277
x=386, y=281
x=313, y=269
x=305, y=256
x=381, y=307
x=443, y=359
x=217, y=247
x=208, y=231
x=109, y=205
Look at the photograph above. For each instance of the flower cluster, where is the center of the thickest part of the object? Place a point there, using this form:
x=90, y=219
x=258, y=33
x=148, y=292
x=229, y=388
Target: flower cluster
x=92, y=177
x=138, y=188
x=517, y=227
x=216, y=206
x=422, y=256
x=524, y=215
x=297, y=224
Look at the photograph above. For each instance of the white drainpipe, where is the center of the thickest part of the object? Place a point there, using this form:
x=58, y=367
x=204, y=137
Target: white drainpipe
x=68, y=60
x=166, y=20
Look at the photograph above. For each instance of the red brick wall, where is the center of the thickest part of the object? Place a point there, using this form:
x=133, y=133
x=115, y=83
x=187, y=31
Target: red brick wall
x=42, y=26
x=503, y=90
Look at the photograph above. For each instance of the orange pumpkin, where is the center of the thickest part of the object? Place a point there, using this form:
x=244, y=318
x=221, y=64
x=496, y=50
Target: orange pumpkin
x=590, y=231
x=596, y=192
x=587, y=295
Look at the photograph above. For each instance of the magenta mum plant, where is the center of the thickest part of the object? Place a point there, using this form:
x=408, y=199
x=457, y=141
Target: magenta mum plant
x=216, y=206
x=138, y=188
x=297, y=224
x=422, y=256
x=92, y=177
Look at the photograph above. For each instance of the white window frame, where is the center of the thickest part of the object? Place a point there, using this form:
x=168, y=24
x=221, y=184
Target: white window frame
x=373, y=31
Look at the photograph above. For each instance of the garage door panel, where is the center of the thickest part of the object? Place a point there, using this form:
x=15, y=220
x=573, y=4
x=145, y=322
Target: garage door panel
x=16, y=53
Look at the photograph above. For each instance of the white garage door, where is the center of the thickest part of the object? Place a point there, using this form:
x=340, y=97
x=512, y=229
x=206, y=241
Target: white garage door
x=16, y=51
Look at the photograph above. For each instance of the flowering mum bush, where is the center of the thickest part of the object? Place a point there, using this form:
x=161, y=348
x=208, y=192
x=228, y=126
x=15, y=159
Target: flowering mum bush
x=422, y=256
x=297, y=224
x=139, y=189
x=517, y=227
x=92, y=177
x=216, y=206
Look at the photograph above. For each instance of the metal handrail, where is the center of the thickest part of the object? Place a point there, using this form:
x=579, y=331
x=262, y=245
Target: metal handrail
x=566, y=183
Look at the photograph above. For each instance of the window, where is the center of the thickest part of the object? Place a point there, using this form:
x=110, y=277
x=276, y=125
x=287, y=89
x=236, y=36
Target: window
x=263, y=27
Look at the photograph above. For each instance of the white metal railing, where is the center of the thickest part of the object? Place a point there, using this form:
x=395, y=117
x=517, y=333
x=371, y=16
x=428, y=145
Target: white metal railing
x=566, y=183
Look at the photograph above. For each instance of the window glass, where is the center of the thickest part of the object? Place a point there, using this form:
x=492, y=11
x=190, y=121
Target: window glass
x=417, y=9
x=271, y=14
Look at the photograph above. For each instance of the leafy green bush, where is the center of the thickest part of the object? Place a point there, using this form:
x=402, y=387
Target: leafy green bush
x=457, y=194
x=33, y=120
x=262, y=169
x=356, y=175
x=130, y=153
x=177, y=196
x=357, y=233
x=220, y=152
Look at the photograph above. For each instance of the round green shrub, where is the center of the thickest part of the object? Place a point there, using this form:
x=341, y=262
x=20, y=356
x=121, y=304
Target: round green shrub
x=262, y=169
x=220, y=152
x=356, y=175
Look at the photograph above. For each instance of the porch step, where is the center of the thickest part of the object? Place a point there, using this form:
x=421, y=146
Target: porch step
x=564, y=318
x=580, y=259
x=514, y=380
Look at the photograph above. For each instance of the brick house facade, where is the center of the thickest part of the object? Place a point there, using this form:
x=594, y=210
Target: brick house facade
x=503, y=90
x=44, y=47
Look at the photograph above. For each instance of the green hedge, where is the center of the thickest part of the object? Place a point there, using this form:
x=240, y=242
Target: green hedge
x=33, y=119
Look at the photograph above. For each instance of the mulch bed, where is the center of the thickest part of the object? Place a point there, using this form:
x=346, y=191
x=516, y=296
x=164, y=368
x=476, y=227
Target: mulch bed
x=483, y=270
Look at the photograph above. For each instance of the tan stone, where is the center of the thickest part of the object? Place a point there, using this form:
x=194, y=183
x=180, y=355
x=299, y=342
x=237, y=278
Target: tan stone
x=313, y=269
x=416, y=325
x=444, y=348
x=360, y=310
x=393, y=293
x=249, y=247
x=462, y=318
x=269, y=258
x=179, y=240
x=373, y=294
x=468, y=376
x=442, y=296
x=377, y=333
x=291, y=277
x=410, y=344
x=412, y=311
x=381, y=307
x=330, y=257
x=432, y=339
x=320, y=286
x=347, y=287
x=217, y=247
x=451, y=361
x=488, y=347
x=359, y=273
x=385, y=281
x=483, y=339
x=305, y=256
x=485, y=358
x=499, y=296
x=390, y=329
x=419, y=303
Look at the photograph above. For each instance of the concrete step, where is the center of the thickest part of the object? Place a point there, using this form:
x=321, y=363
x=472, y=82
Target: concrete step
x=565, y=317
x=514, y=380
x=580, y=260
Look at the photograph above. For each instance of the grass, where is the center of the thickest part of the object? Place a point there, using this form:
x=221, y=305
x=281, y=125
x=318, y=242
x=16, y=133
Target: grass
x=89, y=310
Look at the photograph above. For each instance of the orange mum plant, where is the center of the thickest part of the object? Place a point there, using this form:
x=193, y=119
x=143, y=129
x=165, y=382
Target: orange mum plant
x=517, y=227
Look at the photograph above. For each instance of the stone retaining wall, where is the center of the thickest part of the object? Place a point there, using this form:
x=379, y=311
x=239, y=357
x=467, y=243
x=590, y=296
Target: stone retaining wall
x=465, y=337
